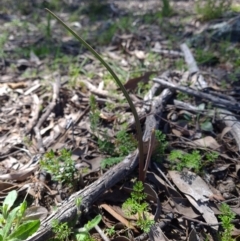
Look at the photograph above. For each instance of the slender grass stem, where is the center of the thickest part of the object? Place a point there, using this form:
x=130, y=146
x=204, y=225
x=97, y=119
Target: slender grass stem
x=138, y=125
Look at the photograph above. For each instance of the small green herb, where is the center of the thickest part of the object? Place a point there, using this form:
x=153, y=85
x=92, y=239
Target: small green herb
x=62, y=231
x=110, y=231
x=187, y=160
x=12, y=226
x=136, y=204
x=94, y=113
x=182, y=96
x=61, y=167
x=211, y=9
x=125, y=143
x=105, y=145
x=226, y=218
x=108, y=162
x=161, y=138
x=194, y=160
x=211, y=156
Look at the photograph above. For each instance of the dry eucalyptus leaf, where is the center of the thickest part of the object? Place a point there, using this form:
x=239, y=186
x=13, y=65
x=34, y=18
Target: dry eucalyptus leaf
x=156, y=234
x=19, y=175
x=207, y=141
x=120, y=218
x=196, y=191
x=225, y=131
x=34, y=213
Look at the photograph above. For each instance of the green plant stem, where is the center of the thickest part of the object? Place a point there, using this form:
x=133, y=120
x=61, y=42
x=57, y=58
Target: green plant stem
x=138, y=125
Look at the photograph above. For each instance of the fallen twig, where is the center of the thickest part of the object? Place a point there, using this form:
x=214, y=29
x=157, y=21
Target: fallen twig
x=215, y=100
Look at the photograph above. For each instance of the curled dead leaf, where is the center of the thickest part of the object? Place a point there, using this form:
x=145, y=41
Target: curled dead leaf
x=207, y=142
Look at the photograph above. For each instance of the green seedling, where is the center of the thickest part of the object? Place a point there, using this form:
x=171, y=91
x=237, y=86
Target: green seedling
x=94, y=113
x=161, y=138
x=211, y=9
x=205, y=57
x=111, y=231
x=182, y=96
x=186, y=160
x=63, y=232
x=125, y=143
x=12, y=224
x=137, y=121
x=226, y=218
x=167, y=10
x=3, y=40
x=136, y=205
x=194, y=160
x=143, y=88
x=105, y=145
x=211, y=156
x=61, y=167
x=108, y=162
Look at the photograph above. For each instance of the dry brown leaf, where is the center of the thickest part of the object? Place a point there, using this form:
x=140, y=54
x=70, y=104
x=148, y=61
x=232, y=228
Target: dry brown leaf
x=183, y=206
x=17, y=85
x=132, y=84
x=207, y=141
x=107, y=117
x=176, y=132
x=19, y=175
x=225, y=131
x=35, y=212
x=197, y=192
x=118, y=217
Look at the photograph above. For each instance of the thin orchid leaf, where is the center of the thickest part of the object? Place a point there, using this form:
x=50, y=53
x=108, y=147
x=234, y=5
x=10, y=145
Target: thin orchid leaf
x=137, y=121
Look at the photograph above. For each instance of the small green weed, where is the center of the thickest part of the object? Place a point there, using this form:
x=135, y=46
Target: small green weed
x=226, y=218
x=67, y=232
x=167, y=10
x=63, y=231
x=211, y=156
x=125, y=143
x=105, y=145
x=3, y=40
x=182, y=96
x=211, y=9
x=161, y=138
x=12, y=224
x=143, y=88
x=194, y=160
x=188, y=160
x=94, y=113
x=136, y=204
x=110, y=231
x=205, y=57
x=61, y=167
x=108, y=162
x=235, y=7
x=180, y=64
